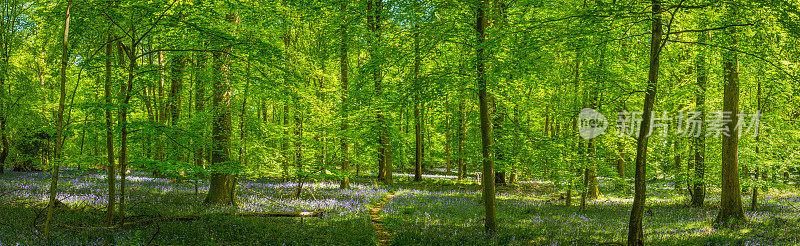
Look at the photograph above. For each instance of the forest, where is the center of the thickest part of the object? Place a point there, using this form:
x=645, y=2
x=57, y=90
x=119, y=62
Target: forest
x=399, y=122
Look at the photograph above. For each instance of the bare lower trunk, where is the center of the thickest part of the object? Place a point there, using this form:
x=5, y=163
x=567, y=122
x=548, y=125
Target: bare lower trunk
x=59, y=123
x=731, y=199
x=223, y=181
x=345, y=183
x=298, y=145
x=176, y=153
x=678, y=182
x=754, y=198
x=462, y=167
x=699, y=185
x=111, y=169
x=417, y=119
x=3, y=137
x=447, y=136
x=487, y=179
x=199, y=108
x=635, y=233
x=621, y=161
x=591, y=172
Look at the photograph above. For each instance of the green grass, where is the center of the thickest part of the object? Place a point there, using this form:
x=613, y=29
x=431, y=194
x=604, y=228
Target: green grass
x=431, y=212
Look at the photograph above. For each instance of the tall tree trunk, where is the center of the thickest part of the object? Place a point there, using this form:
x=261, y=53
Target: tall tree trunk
x=151, y=118
x=582, y=156
x=345, y=184
x=487, y=179
x=126, y=91
x=678, y=169
x=512, y=178
x=635, y=234
x=699, y=184
x=497, y=128
x=199, y=109
x=221, y=179
x=462, y=121
x=298, y=144
x=462, y=133
x=51, y=207
x=286, y=77
x=591, y=171
x=3, y=137
x=378, y=77
x=162, y=112
x=447, y=135
x=731, y=195
x=321, y=135
x=223, y=182
x=754, y=198
x=375, y=10
x=417, y=120
x=621, y=160
x=4, y=67
x=371, y=43
x=242, y=129
x=176, y=86
x=111, y=172
x=404, y=125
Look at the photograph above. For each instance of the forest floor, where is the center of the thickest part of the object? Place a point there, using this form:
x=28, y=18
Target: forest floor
x=438, y=211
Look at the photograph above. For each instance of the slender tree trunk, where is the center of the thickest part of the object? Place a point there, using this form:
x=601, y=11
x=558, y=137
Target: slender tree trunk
x=4, y=66
x=417, y=120
x=298, y=144
x=548, y=131
x=678, y=169
x=447, y=135
x=83, y=130
x=731, y=202
x=754, y=198
x=424, y=136
x=199, y=109
x=404, y=118
x=699, y=184
x=111, y=173
x=512, y=178
x=242, y=129
x=582, y=156
x=345, y=184
x=51, y=207
x=162, y=108
x=621, y=160
x=286, y=78
x=591, y=171
x=635, y=234
x=176, y=86
x=487, y=179
x=578, y=142
x=122, y=122
x=3, y=136
x=151, y=118
x=383, y=140
x=388, y=179
x=462, y=132
x=321, y=138
x=497, y=128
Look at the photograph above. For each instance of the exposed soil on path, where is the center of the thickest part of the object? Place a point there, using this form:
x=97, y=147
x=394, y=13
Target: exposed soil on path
x=384, y=237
